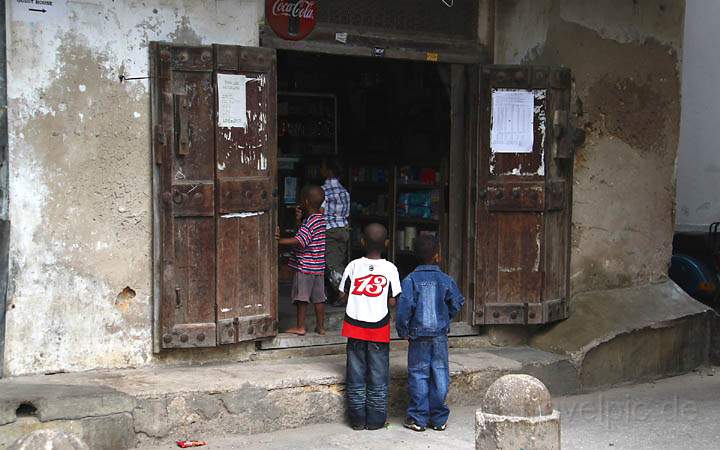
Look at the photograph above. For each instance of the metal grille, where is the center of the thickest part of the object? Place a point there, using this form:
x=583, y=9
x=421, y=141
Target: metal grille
x=404, y=16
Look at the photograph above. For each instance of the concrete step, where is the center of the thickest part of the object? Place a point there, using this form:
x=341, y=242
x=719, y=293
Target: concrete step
x=631, y=335
x=253, y=397
x=335, y=345
x=611, y=337
x=332, y=337
x=101, y=416
x=333, y=319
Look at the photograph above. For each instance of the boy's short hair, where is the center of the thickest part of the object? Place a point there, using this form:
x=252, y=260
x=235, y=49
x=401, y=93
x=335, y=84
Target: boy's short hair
x=375, y=235
x=426, y=246
x=315, y=195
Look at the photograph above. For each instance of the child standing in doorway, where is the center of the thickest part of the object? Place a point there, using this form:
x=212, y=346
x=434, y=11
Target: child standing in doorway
x=429, y=301
x=370, y=285
x=308, y=260
x=336, y=209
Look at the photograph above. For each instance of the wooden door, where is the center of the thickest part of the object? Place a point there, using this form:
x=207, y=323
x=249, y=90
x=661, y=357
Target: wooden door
x=247, y=201
x=523, y=202
x=213, y=200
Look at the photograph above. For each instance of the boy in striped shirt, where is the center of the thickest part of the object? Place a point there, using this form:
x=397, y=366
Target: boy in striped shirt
x=308, y=261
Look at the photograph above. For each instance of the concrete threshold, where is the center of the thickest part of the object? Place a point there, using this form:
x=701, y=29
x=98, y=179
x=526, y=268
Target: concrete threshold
x=128, y=408
x=333, y=337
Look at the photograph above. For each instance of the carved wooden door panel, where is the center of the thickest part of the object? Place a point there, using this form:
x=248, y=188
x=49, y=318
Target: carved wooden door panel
x=523, y=202
x=184, y=148
x=213, y=205
x=245, y=160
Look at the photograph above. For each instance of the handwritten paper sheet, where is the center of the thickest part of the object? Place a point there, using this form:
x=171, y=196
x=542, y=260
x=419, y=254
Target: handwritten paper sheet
x=512, y=121
x=232, y=105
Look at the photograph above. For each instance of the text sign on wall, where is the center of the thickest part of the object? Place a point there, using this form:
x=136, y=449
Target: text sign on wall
x=512, y=121
x=38, y=10
x=291, y=19
x=232, y=104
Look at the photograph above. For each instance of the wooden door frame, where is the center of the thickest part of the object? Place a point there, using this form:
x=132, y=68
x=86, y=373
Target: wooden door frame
x=160, y=139
x=153, y=71
x=463, y=130
x=405, y=47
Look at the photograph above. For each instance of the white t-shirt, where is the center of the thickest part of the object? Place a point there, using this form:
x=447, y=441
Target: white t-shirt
x=371, y=282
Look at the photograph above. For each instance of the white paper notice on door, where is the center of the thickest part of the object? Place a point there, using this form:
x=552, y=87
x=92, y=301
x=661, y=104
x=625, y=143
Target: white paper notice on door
x=232, y=105
x=512, y=121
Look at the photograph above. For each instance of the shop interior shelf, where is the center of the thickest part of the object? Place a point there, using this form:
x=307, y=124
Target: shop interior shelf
x=417, y=221
x=369, y=218
x=417, y=186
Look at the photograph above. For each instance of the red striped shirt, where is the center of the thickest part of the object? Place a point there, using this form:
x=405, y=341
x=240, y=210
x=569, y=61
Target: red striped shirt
x=309, y=256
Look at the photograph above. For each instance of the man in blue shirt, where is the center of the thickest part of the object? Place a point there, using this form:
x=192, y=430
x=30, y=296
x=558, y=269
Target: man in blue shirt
x=428, y=302
x=336, y=209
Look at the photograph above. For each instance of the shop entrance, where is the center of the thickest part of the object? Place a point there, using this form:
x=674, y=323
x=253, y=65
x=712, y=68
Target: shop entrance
x=385, y=125
x=238, y=130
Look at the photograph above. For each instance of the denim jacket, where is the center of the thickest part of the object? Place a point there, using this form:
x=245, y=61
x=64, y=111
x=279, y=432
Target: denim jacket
x=427, y=304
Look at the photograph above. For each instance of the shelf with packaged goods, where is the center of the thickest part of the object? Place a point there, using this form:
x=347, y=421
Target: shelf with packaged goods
x=418, y=186
x=369, y=218
x=307, y=123
x=417, y=221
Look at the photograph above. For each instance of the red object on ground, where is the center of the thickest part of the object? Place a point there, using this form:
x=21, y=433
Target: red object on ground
x=291, y=19
x=188, y=444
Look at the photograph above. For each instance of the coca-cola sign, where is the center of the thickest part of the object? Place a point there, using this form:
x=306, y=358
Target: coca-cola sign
x=291, y=19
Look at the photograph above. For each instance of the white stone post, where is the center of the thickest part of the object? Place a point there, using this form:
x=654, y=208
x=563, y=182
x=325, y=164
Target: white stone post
x=517, y=413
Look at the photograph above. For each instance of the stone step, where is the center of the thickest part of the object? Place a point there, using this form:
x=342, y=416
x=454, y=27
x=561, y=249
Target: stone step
x=333, y=319
x=332, y=337
x=255, y=397
x=333, y=347
x=636, y=334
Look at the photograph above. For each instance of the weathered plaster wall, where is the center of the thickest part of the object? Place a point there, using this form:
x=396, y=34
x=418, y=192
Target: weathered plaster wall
x=80, y=178
x=698, y=171
x=625, y=58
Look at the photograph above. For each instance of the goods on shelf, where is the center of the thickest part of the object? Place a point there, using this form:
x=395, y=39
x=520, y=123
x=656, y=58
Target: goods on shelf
x=378, y=175
x=416, y=175
x=420, y=205
x=376, y=208
x=406, y=237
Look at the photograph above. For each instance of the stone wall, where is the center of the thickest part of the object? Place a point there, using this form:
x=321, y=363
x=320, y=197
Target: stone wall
x=80, y=180
x=698, y=171
x=80, y=259
x=625, y=57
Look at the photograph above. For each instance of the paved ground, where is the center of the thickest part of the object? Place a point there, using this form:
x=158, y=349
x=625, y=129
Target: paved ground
x=681, y=412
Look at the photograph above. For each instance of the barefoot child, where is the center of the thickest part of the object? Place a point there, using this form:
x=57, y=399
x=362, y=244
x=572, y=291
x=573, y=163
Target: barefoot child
x=371, y=285
x=429, y=301
x=308, y=261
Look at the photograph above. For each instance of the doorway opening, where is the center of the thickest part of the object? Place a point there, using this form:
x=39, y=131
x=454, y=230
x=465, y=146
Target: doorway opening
x=387, y=124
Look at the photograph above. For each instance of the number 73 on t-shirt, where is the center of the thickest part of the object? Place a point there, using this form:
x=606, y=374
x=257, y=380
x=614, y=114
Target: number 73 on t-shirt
x=370, y=285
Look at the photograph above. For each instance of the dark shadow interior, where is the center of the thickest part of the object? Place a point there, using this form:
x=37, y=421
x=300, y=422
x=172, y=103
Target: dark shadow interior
x=388, y=123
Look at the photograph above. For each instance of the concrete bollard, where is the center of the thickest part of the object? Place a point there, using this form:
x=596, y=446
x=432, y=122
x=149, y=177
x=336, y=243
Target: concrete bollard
x=49, y=439
x=517, y=413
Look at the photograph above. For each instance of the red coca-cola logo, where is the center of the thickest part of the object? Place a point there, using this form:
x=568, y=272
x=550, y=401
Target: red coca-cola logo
x=291, y=19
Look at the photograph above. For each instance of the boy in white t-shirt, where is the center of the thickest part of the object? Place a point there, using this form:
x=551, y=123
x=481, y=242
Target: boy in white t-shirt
x=370, y=285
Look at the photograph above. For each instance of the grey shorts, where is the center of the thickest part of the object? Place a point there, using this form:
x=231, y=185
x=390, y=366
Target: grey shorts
x=308, y=288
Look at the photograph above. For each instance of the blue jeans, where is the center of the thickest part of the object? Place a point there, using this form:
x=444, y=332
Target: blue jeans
x=366, y=385
x=428, y=380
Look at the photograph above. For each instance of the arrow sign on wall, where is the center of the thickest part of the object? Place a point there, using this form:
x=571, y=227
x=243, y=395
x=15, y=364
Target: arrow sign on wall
x=38, y=11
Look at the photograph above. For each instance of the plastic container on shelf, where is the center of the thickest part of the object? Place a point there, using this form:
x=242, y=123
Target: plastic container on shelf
x=400, y=238
x=410, y=235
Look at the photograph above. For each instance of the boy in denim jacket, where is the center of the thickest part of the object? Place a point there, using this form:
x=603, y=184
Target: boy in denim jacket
x=429, y=301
